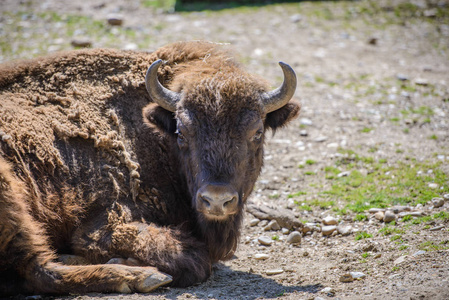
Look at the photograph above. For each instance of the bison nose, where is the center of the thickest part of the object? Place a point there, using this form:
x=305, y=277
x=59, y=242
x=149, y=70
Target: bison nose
x=216, y=200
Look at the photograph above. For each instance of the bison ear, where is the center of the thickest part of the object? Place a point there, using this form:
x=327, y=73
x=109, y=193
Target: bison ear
x=160, y=118
x=282, y=116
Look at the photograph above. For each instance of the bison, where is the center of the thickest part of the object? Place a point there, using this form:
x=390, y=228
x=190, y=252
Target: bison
x=113, y=181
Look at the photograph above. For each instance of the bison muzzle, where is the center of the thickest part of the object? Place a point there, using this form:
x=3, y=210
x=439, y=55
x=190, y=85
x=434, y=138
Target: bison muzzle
x=116, y=181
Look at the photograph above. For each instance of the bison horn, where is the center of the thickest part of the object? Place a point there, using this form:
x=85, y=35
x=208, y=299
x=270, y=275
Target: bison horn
x=161, y=95
x=279, y=97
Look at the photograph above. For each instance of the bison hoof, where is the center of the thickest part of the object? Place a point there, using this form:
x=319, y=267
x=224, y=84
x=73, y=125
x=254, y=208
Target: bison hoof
x=143, y=280
x=72, y=260
x=122, y=261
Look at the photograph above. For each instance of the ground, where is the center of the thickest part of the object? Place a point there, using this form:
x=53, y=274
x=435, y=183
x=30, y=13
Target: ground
x=373, y=133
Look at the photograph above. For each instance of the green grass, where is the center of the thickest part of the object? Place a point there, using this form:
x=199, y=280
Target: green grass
x=360, y=217
x=362, y=235
x=297, y=194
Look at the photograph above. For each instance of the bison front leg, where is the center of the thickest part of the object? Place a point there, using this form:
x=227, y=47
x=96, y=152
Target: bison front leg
x=26, y=260
x=169, y=250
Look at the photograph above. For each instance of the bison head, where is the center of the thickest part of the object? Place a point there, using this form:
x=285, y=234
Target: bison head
x=218, y=118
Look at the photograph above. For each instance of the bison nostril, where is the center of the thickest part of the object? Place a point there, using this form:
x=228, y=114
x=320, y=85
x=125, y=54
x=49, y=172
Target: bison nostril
x=227, y=203
x=205, y=202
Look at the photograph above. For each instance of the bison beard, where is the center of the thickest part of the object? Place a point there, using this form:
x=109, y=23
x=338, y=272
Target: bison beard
x=86, y=180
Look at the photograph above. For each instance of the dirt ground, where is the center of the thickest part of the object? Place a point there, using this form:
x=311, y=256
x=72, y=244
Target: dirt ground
x=373, y=83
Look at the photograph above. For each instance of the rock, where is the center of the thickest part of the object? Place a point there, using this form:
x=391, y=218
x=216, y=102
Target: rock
x=344, y=174
x=303, y=132
x=389, y=216
x=400, y=259
x=430, y=13
x=375, y=210
x=357, y=275
x=419, y=253
x=328, y=290
x=308, y=227
x=401, y=77
x=285, y=231
x=417, y=213
x=284, y=217
x=264, y=240
x=379, y=215
x=437, y=202
x=274, y=272
x=346, y=278
x=261, y=256
x=446, y=197
x=433, y=185
x=328, y=230
x=399, y=208
x=305, y=121
x=344, y=230
x=272, y=225
x=115, y=20
x=295, y=18
x=320, y=139
x=294, y=238
x=421, y=81
x=81, y=42
x=254, y=222
x=329, y=220
x=373, y=41
x=436, y=228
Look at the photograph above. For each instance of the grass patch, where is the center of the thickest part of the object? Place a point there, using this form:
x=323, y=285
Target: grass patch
x=297, y=194
x=361, y=217
x=363, y=235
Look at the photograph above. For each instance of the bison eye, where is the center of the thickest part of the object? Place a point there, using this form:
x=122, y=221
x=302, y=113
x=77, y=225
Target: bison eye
x=181, y=137
x=258, y=136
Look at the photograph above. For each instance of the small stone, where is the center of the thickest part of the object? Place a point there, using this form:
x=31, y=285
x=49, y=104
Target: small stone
x=389, y=216
x=417, y=213
x=372, y=41
x=375, y=210
x=401, y=77
x=421, y=81
x=437, y=202
x=436, y=228
x=266, y=241
x=261, y=256
x=295, y=18
x=400, y=259
x=81, y=42
x=399, y=208
x=379, y=215
x=433, y=185
x=272, y=225
x=327, y=290
x=308, y=227
x=328, y=230
x=430, y=13
x=254, y=222
x=320, y=139
x=115, y=20
x=357, y=275
x=303, y=132
x=344, y=174
x=419, y=252
x=274, y=271
x=294, y=238
x=285, y=231
x=446, y=197
x=344, y=230
x=329, y=220
x=305, y=121
x=346, y=278
x=378, y=255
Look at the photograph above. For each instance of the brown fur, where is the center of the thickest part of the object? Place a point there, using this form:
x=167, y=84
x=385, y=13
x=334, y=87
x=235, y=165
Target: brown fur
x=81, y=172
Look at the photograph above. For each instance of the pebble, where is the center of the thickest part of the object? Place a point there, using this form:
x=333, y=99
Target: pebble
x=402, y=77
x=446, y=197
x=308, y=227
x=346, y=278
x=433, y=185
x=400, y=259
x=320, y=139
x=421, y=81
x=115, y=20
x=357, y=275
x=389, y=216
x=419, y=252
x=266, y=241
x=272, y=225
x=294, y=238
x=295, y=18
x=274, y=271
x=285, y=231
x=436, y=228
x=399, y=208
x=329, y=220
x=81, y=42
x=305, y=121
x=343, y=174
x=254, y=222
x=328, y=290
x=328, y=230
x=379, y=215
x=375, y=210
x=303, y=132
x=437, y=202
x=344, y=230
x=261, y=256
